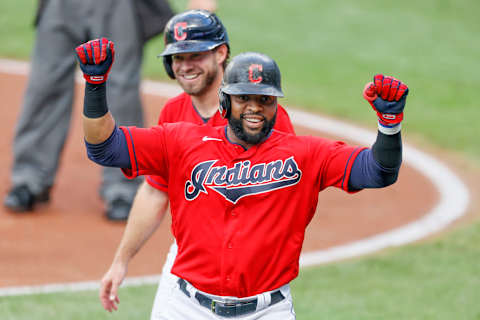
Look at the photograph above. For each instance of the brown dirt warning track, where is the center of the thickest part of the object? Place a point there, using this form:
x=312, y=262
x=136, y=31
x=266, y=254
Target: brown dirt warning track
x=69, y=240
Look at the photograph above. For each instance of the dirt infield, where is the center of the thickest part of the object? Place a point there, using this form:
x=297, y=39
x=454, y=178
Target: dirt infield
x=69, y=240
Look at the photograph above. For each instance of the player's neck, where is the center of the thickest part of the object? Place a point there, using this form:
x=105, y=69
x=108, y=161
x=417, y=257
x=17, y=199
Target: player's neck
x=207, y=103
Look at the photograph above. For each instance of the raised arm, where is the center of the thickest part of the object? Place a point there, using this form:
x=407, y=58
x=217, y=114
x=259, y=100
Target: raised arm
x=96, y=58
x=379, y=166
x=106, y=144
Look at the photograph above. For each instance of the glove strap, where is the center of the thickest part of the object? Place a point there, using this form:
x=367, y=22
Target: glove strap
x=97, y=79
x=389, y=119
x=389, y=123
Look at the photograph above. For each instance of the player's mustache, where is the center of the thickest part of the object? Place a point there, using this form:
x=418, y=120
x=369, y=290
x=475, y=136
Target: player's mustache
x=243, y=115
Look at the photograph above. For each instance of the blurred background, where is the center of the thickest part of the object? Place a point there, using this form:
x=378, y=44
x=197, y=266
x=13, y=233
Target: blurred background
x=327, y=51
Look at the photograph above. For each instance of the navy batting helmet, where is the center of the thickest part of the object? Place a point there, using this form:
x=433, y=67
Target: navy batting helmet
x=192, y=31
x=249, y=73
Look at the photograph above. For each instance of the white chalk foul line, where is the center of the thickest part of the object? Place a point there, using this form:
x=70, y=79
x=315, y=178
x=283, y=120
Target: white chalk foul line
x=453, y=203
x=73, y=286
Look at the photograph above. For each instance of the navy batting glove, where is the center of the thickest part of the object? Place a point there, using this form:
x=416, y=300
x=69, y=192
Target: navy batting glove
x=96, y=59
x=387, y=96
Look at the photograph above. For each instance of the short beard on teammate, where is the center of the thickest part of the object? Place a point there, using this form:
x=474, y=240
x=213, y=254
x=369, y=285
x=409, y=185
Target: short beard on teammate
x=197, y=72
x=252, y=117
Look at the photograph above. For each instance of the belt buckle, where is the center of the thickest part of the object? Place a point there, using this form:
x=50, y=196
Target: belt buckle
x=214, y=303
x=228, y=304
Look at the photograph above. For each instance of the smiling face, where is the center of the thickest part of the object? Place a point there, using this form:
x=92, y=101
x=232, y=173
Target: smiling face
x=196, y=72
x=252, y=117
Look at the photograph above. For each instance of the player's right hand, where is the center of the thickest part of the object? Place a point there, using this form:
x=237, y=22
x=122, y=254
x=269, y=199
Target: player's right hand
x=96, y=58
x=387, y=96
x=109, y=285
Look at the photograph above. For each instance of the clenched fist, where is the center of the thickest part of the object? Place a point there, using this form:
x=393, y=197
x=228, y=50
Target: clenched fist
x=387, y=97
x=96, y=58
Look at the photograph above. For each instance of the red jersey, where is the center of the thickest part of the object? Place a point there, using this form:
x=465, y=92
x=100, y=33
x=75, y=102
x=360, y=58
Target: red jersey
x=180, y=108
x=238, y=216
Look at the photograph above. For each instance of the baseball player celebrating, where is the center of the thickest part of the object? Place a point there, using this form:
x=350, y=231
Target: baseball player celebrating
x=196, y=51
x=241, y=195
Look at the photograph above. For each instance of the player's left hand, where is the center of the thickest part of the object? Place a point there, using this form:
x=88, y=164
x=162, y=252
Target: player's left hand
x=387, y=97
x=96, y=59
x=109, y=285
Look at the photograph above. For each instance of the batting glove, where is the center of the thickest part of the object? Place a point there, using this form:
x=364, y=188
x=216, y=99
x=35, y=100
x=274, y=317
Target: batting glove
x=96, y=58
x=387, y=97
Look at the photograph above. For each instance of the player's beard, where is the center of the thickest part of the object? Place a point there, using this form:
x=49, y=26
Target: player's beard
x=203, y=85
x=239, y=131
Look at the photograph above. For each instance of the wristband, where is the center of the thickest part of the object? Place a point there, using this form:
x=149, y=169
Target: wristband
x=389, y=130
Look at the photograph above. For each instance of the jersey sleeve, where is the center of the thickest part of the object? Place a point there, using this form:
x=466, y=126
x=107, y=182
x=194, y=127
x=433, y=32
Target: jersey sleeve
x=158, y=182
x=147, y=150
x=283, y=122
x=334, y=161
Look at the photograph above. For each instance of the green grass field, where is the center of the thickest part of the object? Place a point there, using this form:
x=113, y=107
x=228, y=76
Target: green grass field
x=327, y=51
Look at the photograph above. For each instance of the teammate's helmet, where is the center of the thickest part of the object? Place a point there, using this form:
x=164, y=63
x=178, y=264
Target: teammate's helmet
x=249, y=73
x=192, y=31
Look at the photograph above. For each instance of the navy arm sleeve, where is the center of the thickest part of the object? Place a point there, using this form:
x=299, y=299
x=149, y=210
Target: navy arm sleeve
x=379, y=166
x=113, y=152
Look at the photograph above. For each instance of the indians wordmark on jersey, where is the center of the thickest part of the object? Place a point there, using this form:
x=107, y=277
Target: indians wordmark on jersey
x=242, y=179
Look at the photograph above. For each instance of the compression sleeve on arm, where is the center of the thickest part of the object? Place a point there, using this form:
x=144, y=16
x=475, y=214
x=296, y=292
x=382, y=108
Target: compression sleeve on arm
x=113, y=152
x=95, y=102
x=379, y=166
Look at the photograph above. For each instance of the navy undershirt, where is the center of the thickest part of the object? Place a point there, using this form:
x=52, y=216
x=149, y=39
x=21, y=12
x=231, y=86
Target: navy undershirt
x=379, y=166
x=113, y=152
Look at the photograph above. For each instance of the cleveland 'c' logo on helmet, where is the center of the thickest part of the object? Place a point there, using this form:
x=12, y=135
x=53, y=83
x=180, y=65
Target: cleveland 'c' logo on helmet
x=179, y=31
x=254, y=73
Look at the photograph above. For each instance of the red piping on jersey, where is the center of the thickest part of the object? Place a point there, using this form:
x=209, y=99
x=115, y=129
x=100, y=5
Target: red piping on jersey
x=134, y=154
x=346, y=168
x=156, y=184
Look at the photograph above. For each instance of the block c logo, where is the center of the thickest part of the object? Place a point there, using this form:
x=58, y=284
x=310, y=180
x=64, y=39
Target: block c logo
x=180, y=32
x=253, y=76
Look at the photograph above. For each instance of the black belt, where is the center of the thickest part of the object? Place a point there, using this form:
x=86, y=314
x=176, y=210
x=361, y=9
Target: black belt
x=229, y=310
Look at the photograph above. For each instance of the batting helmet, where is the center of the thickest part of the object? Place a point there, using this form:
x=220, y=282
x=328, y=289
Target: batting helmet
x=192, y=31
x=249, y=73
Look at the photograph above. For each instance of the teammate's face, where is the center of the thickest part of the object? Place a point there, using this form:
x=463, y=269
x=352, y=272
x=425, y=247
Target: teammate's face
x=196, y=72
x=252, y=118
